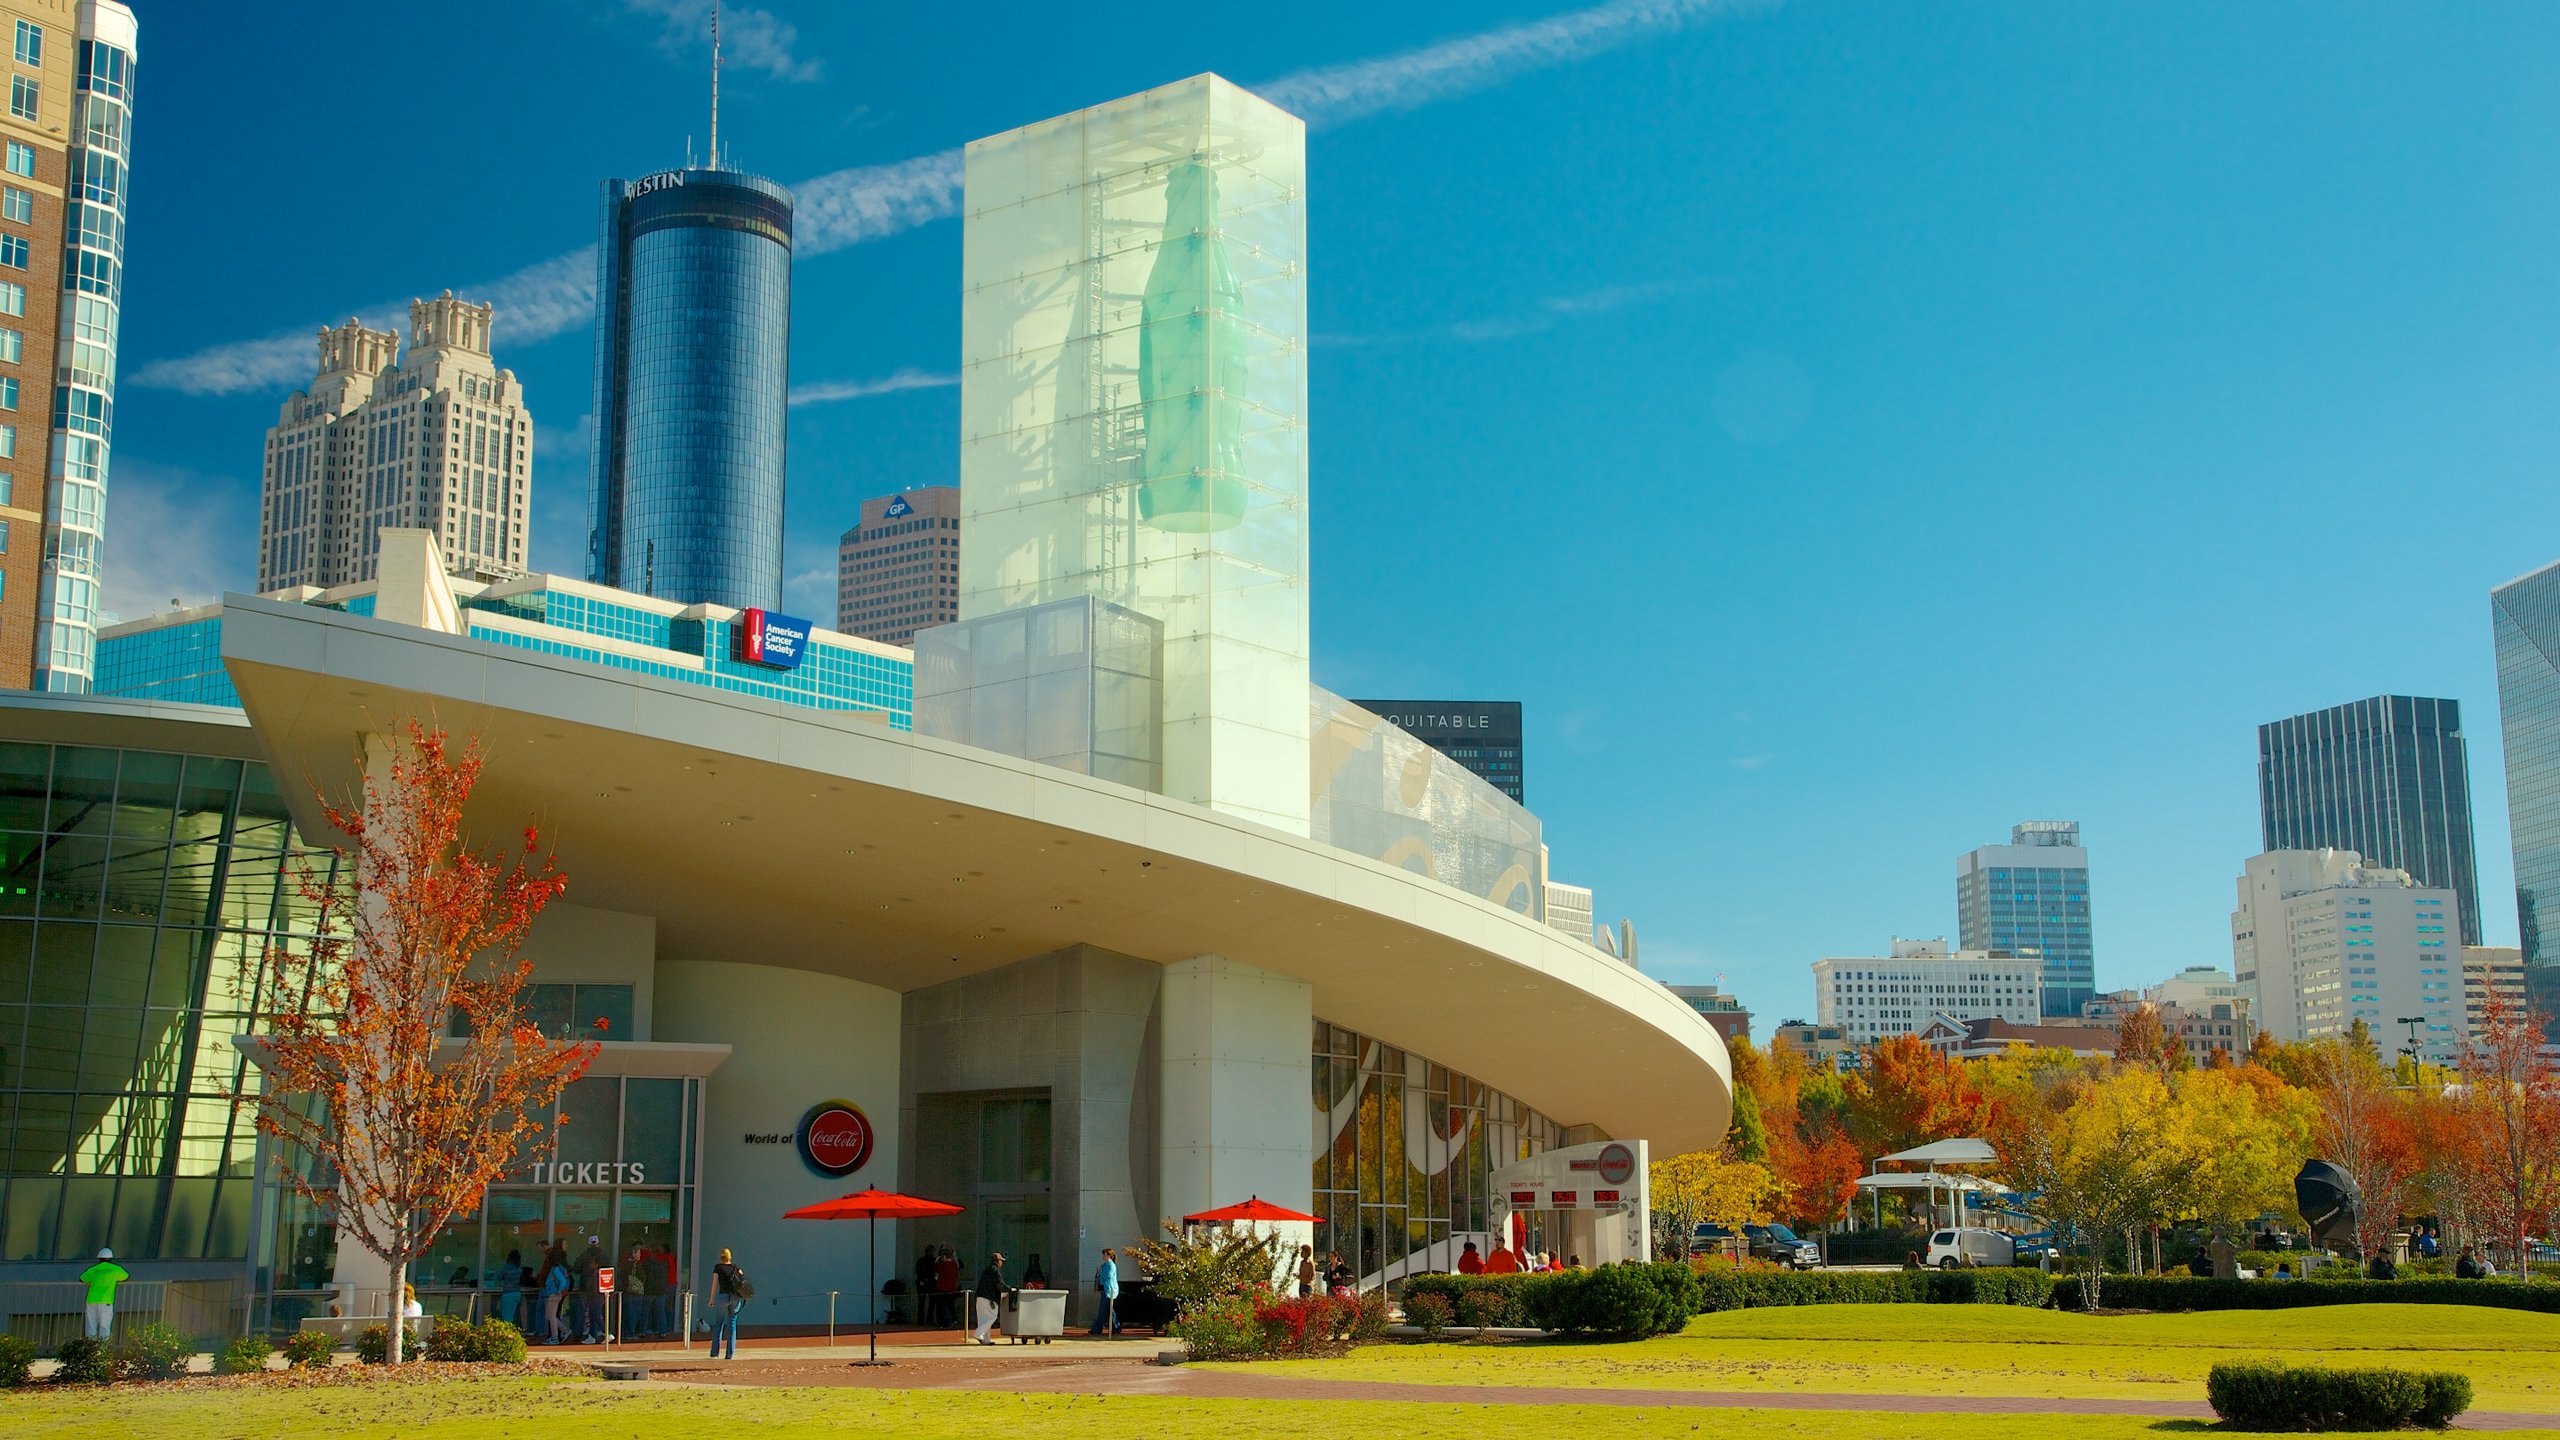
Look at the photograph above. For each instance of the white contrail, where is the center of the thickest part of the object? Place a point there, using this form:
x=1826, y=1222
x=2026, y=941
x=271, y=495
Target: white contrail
x=905, y=379
x=870, y=202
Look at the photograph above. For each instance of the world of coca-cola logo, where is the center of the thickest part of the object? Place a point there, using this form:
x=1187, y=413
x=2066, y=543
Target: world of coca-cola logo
x=835, y=1138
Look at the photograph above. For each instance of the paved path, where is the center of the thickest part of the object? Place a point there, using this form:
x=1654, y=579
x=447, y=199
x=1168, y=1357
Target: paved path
x=1064, y=1375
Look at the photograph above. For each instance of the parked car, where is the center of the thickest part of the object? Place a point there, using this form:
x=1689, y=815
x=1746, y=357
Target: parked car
x=1774, y=1243
x=1969, y=1247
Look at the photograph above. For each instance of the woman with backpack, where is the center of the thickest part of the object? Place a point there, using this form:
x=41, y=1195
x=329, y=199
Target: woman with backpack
x=556, y=1283
x=730, y=1292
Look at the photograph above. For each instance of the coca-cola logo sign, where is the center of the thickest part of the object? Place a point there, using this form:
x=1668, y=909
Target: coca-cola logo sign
x=1617, y=1164
x=835, y=1138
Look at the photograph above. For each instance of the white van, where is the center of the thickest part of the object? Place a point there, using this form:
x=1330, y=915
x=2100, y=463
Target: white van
x=1969, y=1247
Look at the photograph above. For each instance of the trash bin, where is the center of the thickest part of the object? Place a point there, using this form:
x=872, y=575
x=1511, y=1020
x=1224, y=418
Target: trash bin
x=1035, y=1315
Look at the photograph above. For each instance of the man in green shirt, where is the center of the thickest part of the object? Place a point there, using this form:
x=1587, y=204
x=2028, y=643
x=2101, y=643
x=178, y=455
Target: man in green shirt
x=102, y=1280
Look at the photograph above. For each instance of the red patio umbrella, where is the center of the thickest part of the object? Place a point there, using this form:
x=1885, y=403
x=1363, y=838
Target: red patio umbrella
x=1255, y=1208
x=871, y=1205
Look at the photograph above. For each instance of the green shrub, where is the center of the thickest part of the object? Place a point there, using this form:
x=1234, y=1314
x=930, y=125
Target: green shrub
x=1620, y=1301
x=1429, y=1310
x=373, y=1346
x=244, y=1356
x=307, y=1347
x=153, y=1351
x=1373, y=1318
x=83, y=1362
x=2186, y=1292
x=1223, y=1328
x=499, y=1343
x=1729, y=1288
x=2288, y=1397
x=17, y=1361
x=1486, y=1308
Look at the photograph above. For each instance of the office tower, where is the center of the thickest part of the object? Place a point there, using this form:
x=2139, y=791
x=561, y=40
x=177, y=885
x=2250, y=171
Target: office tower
x=898, y=568
x=2320, y=940
x=2031, y=897
x=437, y=440
x=2490, y=970
x=1872, y=998
x=693, y=371
x=1482, y=735
x=1133, y=410
x=1568, y=907
x=2525, y=614
x=2389, y=778
x=63, y=156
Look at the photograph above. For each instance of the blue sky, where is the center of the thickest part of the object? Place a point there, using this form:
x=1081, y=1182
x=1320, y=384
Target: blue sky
x=1850, y=428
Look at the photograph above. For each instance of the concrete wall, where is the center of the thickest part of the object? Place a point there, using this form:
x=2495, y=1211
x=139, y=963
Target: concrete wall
x=799, y=1038
x=1077, y=1025
x=1234, y=1076
x=573, y=944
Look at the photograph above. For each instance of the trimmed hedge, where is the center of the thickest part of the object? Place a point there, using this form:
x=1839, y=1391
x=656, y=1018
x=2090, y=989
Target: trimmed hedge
x=1733, y=1289
x=1621, y=1301
x=2288, y=1397
x=2187, y=1292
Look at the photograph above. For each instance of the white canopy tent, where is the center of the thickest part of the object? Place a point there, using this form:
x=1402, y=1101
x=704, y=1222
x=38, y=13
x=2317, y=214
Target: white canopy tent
x=1931, y=1180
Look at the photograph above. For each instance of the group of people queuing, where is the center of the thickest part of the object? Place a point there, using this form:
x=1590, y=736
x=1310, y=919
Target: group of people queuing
x=558, y=1300
x=1506, y=1261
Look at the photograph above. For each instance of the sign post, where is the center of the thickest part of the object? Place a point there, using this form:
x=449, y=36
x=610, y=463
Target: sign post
x=612, y=1304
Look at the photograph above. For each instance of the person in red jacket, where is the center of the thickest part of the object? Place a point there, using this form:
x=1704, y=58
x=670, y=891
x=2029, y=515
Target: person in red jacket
x=1469, y=1262
x=1503, y=1262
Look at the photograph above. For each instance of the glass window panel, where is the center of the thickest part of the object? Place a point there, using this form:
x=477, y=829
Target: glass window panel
x=52, y=1063
x=264, y=820
x=136, y=1231
x=176, y=957
x=205, y=794
x=84, y=789
x=87, y=1206
x=594, y=1109
x=21, y=862
x=146, y=794
x=23, y=775
x=35, y=1200
x=228, y=1237
x=517, y=1222
x=189, y=1212
x=75, y=871
x=112, y=1037
x=135, y=870
x=580, y=1218
x=653, y=1127
x=13, y=1050
x=609, y=1003
x=453, y=1257
x=17, y=964
x=121, y=974
x=62, y=957
x=548, y=1008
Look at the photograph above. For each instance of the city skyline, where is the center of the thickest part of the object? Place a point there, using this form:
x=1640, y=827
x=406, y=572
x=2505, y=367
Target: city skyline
x=1843, y=327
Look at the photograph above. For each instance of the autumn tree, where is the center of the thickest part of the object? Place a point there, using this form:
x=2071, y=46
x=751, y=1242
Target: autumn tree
x=2102, y=1164
x=407, y=1127
x=1907, y=1094
x=2142, y=1038
x=2361, y=1130
x=2510, y=1110
x=1710, y=1185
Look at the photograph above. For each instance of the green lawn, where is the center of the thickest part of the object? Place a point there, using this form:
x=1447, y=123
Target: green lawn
x=514, y=1409
x=2513, y=1358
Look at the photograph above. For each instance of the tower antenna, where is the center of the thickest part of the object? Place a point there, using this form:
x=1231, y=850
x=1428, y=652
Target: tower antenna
x=715, y=84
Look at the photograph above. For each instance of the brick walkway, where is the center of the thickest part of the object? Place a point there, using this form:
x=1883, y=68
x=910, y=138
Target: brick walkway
x=1065, y=1374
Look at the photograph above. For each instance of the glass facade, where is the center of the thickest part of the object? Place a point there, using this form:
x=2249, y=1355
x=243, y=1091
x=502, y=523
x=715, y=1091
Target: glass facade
x=1133, y=409
x=2389, y=778
x=166, y=660
x=85, y=371
x=138, y=891
x=2525, y=615
x=619, y=1173
x=1482, y=735
x=693, y=370
x=1381, y=792
x=1073, y=683
x=2031, y=897
x=1403, y=1149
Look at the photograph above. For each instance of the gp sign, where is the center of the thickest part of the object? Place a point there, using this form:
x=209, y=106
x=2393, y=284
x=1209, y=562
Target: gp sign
x=835, y=1138
x=771, y=639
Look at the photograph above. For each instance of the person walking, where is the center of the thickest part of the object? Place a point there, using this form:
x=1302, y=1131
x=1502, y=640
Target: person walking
x=102, y=1278
x=1339, y=1279
x=591, y=1263
x=639, y=1297
x=556, y=1286
x=729, y=1294
x=988, y=1296
x=1106, y=1281
x=1306, y=1271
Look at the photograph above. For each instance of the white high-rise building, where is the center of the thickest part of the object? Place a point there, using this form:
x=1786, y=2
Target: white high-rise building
x=438, y=440
x=1871, y=999
x=2321, y=940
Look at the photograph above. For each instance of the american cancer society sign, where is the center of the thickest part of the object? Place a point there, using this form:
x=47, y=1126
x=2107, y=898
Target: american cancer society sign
x=771, y=640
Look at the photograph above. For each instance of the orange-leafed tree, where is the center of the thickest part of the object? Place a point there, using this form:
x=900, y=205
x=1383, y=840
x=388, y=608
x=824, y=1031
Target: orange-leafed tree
x=1908, y=1094
x=406, y=1127
x=2143, y=1038
x=2362, y=1127
x=2510, y=1113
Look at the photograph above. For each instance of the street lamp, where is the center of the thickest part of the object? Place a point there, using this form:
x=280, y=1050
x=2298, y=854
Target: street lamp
x=2411, y=1049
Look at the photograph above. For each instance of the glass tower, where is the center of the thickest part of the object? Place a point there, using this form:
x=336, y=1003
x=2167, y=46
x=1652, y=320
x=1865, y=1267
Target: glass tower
x=1133, y=409
x=85, y=358
x=2525, y=614
x=2389, y=778
x=693, y=372
x=2031, y=897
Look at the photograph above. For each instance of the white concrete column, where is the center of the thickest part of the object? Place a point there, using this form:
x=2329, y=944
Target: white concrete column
x=1233, y=1113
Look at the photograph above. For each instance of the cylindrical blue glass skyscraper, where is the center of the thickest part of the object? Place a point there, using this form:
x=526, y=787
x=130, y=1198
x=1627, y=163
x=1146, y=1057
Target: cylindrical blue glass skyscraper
x=693, y=376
